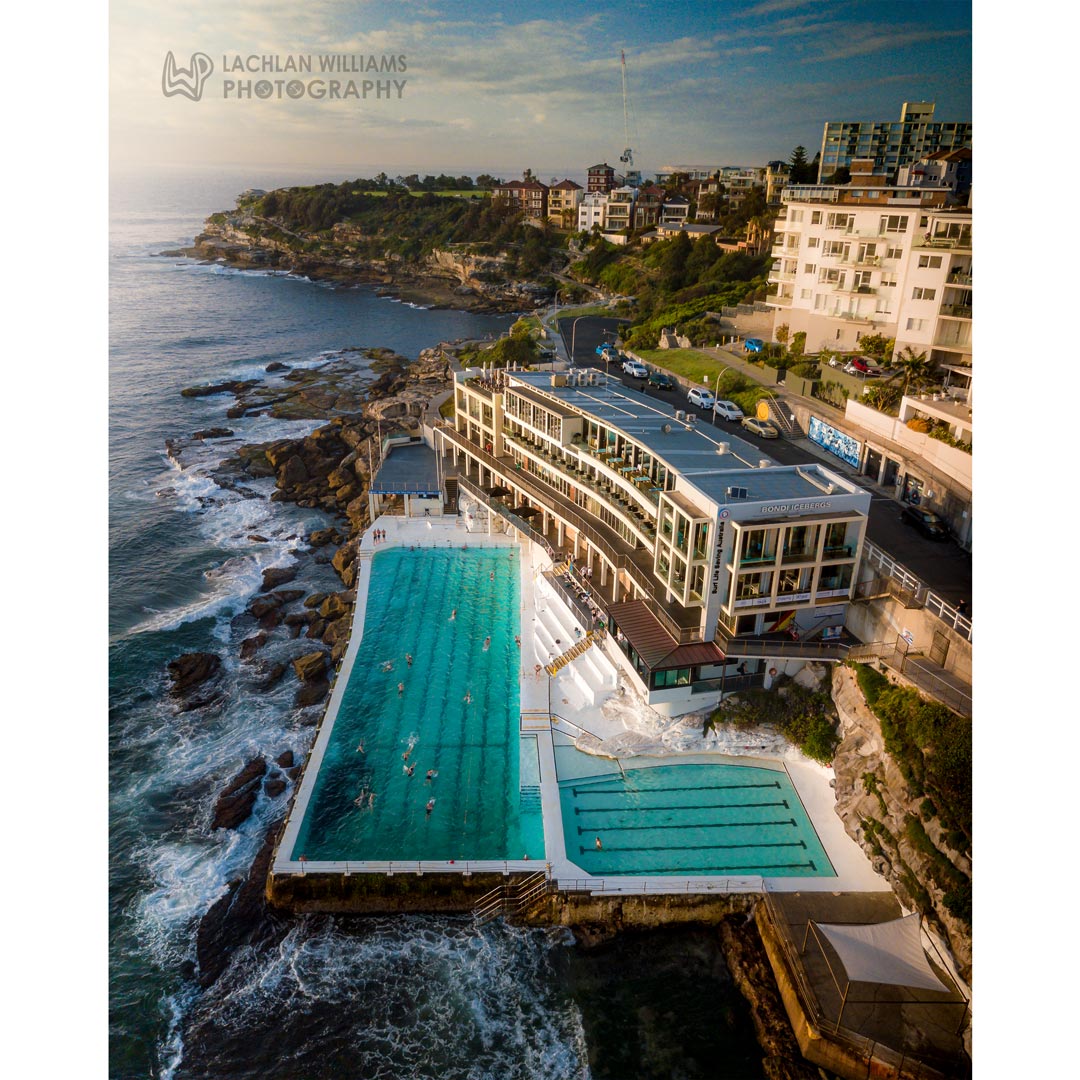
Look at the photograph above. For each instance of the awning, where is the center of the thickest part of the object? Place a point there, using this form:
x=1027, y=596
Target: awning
x=498, y=491
x=525, y=511
x=889, y=952
x=659, y=651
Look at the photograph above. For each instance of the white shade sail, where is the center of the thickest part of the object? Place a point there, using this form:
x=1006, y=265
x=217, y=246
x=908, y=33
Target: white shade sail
x=889, y=952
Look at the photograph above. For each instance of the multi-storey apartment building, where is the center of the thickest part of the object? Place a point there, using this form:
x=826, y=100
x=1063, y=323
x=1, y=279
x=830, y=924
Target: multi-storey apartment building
x=776, y=179
x=871, y=257
x=647, y=206
x=675, y=210
x=592, y=211
x=620, y=208
x=564, y=198
x=528, y=196
x=890, y=144
x=601, y=178
x=704, y=560
x=945, y=168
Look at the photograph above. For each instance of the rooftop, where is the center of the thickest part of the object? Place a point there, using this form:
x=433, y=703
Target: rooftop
x=407, y=470
x=691, y=449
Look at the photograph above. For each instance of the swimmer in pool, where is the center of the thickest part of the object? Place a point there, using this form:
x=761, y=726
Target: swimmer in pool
x=492, y=575
x=517, y=641
x=431, y=774
x=487, y=644
x=453, y=615
x=408, y=659
x=405, y=756
x=387, y=665
x=430, y=805
x=468, y=697
x=360, y=747
x=400, y=689
x=410, y=769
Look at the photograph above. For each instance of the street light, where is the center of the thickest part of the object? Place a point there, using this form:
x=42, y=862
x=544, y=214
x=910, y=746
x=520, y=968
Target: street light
x=716, y=395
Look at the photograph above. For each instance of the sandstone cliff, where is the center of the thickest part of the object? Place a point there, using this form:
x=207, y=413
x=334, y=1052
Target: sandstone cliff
x=877, y=806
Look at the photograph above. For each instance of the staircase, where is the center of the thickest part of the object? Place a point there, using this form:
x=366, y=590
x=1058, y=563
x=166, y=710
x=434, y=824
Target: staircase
x=451, y=497
x=779, y=416
x=512, y=900
x=573, y=652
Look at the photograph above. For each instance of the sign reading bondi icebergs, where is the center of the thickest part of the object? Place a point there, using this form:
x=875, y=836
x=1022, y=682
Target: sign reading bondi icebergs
x=792, y=507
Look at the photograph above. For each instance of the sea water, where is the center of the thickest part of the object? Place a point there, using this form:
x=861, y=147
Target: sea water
x=316, y=996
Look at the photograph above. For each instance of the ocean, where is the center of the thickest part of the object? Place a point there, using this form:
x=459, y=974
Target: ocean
x=393, y=998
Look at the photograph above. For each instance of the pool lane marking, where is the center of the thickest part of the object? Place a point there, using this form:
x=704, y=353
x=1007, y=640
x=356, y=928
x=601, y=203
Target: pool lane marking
x=592, y=788
x=753, y=868
x=697, y=847
x=677, y=806
x=684, y=826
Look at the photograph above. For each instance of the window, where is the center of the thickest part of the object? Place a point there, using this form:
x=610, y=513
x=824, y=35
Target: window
x=811, y=241
x=916, y=324
x=919, y=293
x=894, y=253
x=809, y=268
x=662, y=680
x=795, y=215
x=888, y=281
x=829, y=276
x=805, y=294
x=931, y=261
x=815, y=217
x=893, y=223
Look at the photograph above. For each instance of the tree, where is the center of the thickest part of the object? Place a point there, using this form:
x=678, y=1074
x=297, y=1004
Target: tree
x=913, y=370
x=878, y=346
x=802, y=172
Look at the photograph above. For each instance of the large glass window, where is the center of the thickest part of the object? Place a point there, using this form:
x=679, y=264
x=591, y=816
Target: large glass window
x=759, y=545
x=754, y=585
x=835, y=536
x=663, y=680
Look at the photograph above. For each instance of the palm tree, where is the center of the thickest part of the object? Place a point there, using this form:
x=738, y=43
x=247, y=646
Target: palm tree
x=913, y=370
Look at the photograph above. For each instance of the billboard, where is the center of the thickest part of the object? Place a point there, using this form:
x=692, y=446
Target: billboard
x=836, y=442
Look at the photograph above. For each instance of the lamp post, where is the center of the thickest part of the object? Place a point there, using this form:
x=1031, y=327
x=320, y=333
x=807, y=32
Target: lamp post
x=573, y=336
x=716, y=394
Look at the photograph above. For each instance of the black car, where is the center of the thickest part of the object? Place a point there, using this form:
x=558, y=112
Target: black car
x=926, y=522
x=661, y=380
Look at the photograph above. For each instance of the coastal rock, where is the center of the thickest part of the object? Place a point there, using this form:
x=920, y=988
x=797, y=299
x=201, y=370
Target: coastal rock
x=310, y=666
x=273, y=675
x=322, y=537
x=234, y=386
x=276, y=576
x=276, y=365
x=258, y=538
x=261, y=606
x=250, y=646
x=237, y=918
x=315, y=599
x=275, y=787
x=287, y=596
x=311, y=693
x=293, y=472
x=335, y=605
x=192, y=670
x=285, y=760
x=237, y=799
x=213, y=433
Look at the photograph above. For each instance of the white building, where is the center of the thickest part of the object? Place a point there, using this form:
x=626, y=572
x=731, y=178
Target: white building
x=592, y=210
x=873, y=258
x=710, y=566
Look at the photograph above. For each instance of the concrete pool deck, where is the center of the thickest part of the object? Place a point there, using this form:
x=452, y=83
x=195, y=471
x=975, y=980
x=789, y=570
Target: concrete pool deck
x=853, y=871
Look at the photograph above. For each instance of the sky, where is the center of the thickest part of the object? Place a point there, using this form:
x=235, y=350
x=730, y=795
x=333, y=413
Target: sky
x=499, y=88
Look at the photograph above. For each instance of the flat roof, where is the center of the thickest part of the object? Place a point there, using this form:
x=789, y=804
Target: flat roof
x=690, y=449
x=407, y=470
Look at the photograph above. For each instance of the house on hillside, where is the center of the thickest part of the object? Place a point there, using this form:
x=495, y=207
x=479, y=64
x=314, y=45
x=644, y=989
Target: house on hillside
x=564, y=198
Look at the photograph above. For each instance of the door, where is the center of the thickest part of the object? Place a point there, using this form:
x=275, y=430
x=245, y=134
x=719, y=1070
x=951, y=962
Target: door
x=940, y=648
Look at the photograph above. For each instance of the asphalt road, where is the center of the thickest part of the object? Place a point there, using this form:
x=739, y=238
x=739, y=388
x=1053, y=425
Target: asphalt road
x=943, y=566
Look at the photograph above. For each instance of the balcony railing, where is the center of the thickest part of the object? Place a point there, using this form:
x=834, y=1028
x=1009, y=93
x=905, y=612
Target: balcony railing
x=956, y=311
x=958, y=279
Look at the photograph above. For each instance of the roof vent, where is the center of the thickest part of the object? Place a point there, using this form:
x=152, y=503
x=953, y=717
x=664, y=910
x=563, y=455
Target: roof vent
x=764, y=463
x=723, y=448
x=666, y=429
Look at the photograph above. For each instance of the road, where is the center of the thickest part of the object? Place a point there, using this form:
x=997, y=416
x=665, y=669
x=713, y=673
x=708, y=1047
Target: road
x=944, y=567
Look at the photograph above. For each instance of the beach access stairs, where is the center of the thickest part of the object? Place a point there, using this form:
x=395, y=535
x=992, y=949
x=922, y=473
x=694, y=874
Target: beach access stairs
x=573, y=652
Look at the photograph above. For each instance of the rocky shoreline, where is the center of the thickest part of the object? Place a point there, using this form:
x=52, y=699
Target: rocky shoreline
x=443, y=279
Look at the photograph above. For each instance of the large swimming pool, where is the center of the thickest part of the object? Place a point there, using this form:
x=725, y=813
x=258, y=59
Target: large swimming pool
x=661, y=819
x=454, y=710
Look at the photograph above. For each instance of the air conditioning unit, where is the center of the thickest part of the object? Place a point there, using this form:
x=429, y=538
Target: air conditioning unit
x=680, y=414
x=723, y=448
x=691, y=418
x=594, y=378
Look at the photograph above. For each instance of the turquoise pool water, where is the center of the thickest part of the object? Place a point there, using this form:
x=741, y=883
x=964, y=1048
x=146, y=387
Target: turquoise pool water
x=685, y=819
x=485, y=804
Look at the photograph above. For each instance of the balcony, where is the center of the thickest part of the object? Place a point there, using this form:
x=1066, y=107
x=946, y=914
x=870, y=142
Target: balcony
x=856, y=290
x=945, y=243
x=842, y=551
x=956, y=311
x=765, y=558
x=795, y=555
x=956, y=278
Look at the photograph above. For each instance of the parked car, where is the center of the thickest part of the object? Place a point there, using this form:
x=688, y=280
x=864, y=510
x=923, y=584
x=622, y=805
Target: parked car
x=661, y=380
x=761, y=428
x=702, y=398
x=728, y=410
x=635, y=369
x=926, y=522
x=754, y=344
x=603, y=350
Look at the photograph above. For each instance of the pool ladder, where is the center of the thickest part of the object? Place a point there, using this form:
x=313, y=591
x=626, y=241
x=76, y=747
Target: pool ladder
x=512, y=900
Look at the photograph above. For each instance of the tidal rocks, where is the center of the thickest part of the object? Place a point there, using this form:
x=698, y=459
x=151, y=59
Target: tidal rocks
x=276, y=365
x=250, y=646
x=335, y=605
x=278, y=575
x=321, y=537
x=213, y=433
x=234, y=386
x=237, y=918
x=192, y=670
x=237, y=799
x=311, y=693
x=311, y=666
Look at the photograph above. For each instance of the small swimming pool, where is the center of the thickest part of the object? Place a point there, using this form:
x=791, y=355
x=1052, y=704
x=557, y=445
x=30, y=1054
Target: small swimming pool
x=454, y=711
x=664, y=819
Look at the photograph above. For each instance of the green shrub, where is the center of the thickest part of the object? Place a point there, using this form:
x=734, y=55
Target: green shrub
x=928, y=809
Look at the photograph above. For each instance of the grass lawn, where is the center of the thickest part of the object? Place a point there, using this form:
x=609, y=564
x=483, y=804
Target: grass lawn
x=577, y=312
x=694, y=366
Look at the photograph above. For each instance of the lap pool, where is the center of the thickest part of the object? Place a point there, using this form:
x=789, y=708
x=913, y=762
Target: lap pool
x=454, y=710
x=688, y=818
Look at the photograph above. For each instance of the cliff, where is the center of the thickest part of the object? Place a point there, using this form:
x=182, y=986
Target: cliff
x=454, y=275
x=906, y=844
